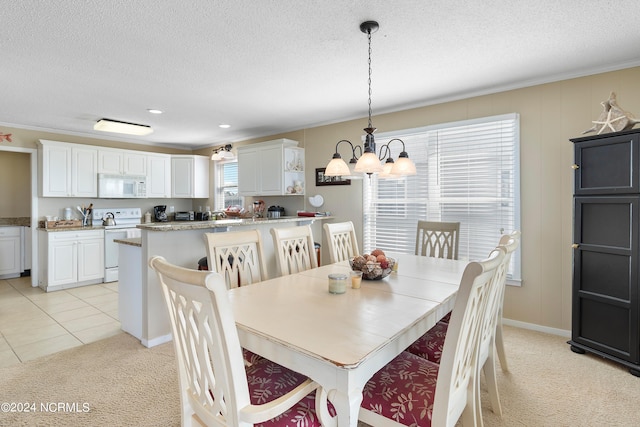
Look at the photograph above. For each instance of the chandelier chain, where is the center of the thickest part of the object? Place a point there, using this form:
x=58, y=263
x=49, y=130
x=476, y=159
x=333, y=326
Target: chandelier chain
x=369, y=36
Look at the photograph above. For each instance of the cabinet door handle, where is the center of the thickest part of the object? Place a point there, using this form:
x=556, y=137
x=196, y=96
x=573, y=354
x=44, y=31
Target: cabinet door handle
x=575, y=246
x=574, y=166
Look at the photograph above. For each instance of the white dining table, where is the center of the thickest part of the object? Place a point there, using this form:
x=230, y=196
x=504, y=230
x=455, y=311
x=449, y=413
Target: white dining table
x=342, y=340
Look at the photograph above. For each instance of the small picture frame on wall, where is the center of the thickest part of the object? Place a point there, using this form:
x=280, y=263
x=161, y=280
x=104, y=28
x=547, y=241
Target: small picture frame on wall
x=322, y=179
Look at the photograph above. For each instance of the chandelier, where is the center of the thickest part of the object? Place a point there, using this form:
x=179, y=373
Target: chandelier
x=369, y=162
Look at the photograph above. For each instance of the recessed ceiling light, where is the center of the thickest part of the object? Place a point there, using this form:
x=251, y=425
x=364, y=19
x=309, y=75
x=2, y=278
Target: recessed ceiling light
x=224, y=126
x=116, y=126
x=154, y=111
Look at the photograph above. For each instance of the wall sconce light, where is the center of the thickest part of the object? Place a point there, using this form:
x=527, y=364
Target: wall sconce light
x=223, y=153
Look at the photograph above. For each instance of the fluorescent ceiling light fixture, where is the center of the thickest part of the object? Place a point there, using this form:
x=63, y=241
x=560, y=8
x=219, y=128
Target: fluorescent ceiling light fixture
x=154, y=111
x=116, y=126
x=224, y=126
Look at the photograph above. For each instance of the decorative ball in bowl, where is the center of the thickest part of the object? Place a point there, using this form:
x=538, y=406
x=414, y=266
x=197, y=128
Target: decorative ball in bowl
x=374, y=266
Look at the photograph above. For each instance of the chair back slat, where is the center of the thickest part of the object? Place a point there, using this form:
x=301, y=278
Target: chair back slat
x=294, y=248
x=341, y=241
x=437, y=239
x=238, y=256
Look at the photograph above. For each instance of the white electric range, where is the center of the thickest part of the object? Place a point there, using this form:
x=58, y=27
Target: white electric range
x=126, y=220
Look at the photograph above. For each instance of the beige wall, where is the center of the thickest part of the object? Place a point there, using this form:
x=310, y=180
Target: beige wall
x=550, y=114
x=15, y=185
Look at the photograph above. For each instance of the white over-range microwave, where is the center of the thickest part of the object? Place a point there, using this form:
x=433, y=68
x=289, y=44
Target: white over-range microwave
x=122, y=186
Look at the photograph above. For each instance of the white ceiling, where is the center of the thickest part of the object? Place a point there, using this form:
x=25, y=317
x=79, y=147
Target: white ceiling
x=272, y=66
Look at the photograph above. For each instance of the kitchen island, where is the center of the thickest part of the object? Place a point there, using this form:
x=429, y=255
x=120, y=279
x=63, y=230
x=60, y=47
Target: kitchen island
x=143, y=312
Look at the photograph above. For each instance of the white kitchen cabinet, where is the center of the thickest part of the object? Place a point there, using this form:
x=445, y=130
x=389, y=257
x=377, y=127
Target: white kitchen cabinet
x=68, y=170
x=121, y=162
x=271, y=168
x=190, y=176
x=159, y=176
x=249, y=171
x=71, y=258
x=10, y=252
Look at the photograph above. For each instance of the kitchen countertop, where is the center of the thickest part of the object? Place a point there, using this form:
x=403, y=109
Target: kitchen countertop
x=15, y=222
x=227, y=222
x=132, y=241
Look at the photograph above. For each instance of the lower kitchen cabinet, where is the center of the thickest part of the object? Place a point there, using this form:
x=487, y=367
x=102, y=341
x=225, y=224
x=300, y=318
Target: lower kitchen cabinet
x=10, y=252
x=71, y=258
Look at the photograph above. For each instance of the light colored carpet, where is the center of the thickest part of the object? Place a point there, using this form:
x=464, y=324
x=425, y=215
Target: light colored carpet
x=125, y=384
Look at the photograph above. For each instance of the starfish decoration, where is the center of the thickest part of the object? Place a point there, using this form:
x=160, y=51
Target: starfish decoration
x=5, y=136
x=613, y=118
x=608, y=122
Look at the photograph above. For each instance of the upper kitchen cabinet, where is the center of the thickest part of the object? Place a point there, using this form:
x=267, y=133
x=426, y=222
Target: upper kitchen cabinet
x=158, y=176
x=271, y=168
x=190, y=176
x=122, y=162
x=68, y=170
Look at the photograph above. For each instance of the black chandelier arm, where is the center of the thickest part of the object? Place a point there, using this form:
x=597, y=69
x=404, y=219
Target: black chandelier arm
x=336, y=155
x=397, y=139
x=387, y=150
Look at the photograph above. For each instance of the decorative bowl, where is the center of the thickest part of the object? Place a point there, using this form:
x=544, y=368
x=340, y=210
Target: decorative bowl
x=234, y=213
x=372, y=270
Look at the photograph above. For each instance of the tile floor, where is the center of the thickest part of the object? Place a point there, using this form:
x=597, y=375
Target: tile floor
x=34, y=323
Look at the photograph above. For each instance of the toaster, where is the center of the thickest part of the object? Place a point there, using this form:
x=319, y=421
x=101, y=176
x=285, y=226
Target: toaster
x=185, y=216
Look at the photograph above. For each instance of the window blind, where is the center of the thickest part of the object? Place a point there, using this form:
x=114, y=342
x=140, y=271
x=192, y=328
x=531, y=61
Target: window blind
x=467, y=172
x=227, y=185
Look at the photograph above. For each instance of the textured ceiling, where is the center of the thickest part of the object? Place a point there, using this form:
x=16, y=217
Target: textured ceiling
x=266, y=67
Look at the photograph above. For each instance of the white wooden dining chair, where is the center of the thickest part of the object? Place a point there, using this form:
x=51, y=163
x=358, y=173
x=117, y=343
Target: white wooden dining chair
x=487, y=337
x=504, y=240
x=413, y=391
x=341, y=241
x=238, y=256
x=437, y=239
x=216, y=389
x=431, y=344
x=294, y=249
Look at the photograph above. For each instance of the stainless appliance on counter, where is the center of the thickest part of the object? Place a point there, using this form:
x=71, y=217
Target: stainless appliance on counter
x=125, y=221
x=185, y=216
x=275, y=212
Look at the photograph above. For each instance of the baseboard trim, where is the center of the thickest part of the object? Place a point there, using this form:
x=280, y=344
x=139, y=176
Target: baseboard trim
x=538, y=328
x=156, y=341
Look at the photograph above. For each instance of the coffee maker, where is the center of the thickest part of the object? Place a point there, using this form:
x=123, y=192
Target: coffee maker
x=160, y=213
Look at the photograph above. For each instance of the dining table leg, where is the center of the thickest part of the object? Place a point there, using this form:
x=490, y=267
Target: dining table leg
x=347, y=406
